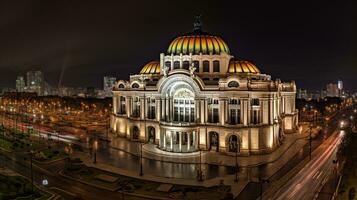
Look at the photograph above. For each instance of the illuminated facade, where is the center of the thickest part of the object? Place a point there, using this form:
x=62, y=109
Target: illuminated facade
x=199, y=96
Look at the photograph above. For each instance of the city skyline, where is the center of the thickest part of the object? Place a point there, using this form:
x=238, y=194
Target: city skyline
x=64, y=36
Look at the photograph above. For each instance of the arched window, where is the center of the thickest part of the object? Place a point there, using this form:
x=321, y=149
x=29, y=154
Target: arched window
x=121, y=86
x=168, y=64
x=206, y=66
x=135, y=85
x=186, y=64
x=216, y=66
x=196, y=64
x=177, y=65
x=233, y=84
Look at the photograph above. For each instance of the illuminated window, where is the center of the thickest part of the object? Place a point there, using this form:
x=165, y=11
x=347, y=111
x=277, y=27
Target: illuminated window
x=177, y=65
x=206, y=66
x=168, y=64
x=234, y=84
x=135, y=85
x=216, y=66
x=196, y=64
x=186, y=64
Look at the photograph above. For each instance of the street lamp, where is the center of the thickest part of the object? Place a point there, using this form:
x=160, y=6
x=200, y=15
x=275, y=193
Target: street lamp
x=141, y=159
x=95, y=146
x=199, y=172
x=310, y=141
x=237, y=166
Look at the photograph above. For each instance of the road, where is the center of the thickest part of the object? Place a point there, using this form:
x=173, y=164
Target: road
x=309, y=180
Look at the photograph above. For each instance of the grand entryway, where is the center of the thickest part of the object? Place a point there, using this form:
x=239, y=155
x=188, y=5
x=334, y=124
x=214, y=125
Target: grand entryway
x=179, y=141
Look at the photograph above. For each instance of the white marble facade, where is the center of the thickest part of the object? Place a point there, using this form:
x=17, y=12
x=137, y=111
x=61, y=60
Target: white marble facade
x=199, y=96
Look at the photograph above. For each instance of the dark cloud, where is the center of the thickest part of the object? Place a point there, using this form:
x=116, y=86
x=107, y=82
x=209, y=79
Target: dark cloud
x=312, y=43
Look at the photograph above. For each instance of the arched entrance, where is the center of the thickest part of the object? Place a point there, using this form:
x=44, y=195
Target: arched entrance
x=213, y=141
x=135, y=133
x=233, y=144
x=151, y=135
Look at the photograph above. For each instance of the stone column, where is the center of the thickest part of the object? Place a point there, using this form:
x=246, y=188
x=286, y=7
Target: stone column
x=171, y=108
x=180, y=141
x=158, y=109
x=188, y=140
x=167, y=111
x=128, y=106
x=221, y=111
x=142, y=107
x=206, y=110
x=115, y=104
x=163, y=109
x=202, y=111
x=164, y=138
x=197, y=111
x=226, y=107
x=171, y=141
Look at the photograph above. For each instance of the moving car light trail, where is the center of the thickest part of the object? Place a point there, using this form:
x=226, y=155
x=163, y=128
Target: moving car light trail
x=308, y=181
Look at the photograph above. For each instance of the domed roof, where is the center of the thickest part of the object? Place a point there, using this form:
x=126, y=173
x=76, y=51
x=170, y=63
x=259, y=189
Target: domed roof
x=197, y=43
x=152, y=67
x=242, y=66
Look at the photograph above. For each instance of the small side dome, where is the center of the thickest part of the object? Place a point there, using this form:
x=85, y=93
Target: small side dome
x=152, y=67
x=242, y=66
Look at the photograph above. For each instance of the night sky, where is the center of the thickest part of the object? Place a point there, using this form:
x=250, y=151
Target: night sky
x=309, y=42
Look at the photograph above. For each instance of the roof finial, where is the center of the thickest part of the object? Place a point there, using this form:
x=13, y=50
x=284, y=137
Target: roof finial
x=197, y=25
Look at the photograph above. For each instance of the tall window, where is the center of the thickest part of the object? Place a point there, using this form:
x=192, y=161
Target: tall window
x=196, y=64
x=168, y=64
x=177, y=65
x=186, y=64
x=206, y=66
x=136, y=107
x=234, y=111
x=122, y=107
x=255, y=119
x=216, y=66
x=184, y=106
x=255, y=102
x=213, y=109
x=151, y=108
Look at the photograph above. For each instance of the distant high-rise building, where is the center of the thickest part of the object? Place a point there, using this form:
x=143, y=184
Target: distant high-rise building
x=35, y=82
x=302, y=94
x=340, y=87
x=108, y=84
x=332, y=90
x=20, y=84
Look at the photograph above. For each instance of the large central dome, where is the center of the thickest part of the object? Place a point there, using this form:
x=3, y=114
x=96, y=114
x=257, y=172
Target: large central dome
x=197, y=42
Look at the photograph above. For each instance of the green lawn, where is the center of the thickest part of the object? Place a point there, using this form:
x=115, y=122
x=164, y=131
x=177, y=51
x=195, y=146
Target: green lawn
x=5, y=144
x=12, y=187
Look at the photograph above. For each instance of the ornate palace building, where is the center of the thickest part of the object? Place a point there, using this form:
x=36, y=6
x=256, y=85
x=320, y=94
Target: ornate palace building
x=198, y=96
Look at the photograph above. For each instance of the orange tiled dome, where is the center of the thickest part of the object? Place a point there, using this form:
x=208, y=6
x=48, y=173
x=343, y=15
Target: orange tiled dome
x=152, y=67
x=241, y=66
x=196, y=43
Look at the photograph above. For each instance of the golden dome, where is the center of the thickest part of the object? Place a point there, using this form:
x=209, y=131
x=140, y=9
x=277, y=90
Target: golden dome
x=241, y=66
x=152, y=67
x=196, y=43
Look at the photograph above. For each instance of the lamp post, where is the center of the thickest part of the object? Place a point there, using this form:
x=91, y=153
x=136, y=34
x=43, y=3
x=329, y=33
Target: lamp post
x=200, y=174
x=141, y=159
x=237, y=166
x=95, y=146
x=310, y=138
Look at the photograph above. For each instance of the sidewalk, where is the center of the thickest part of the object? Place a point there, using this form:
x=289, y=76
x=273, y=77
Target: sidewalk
x=228, y=180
